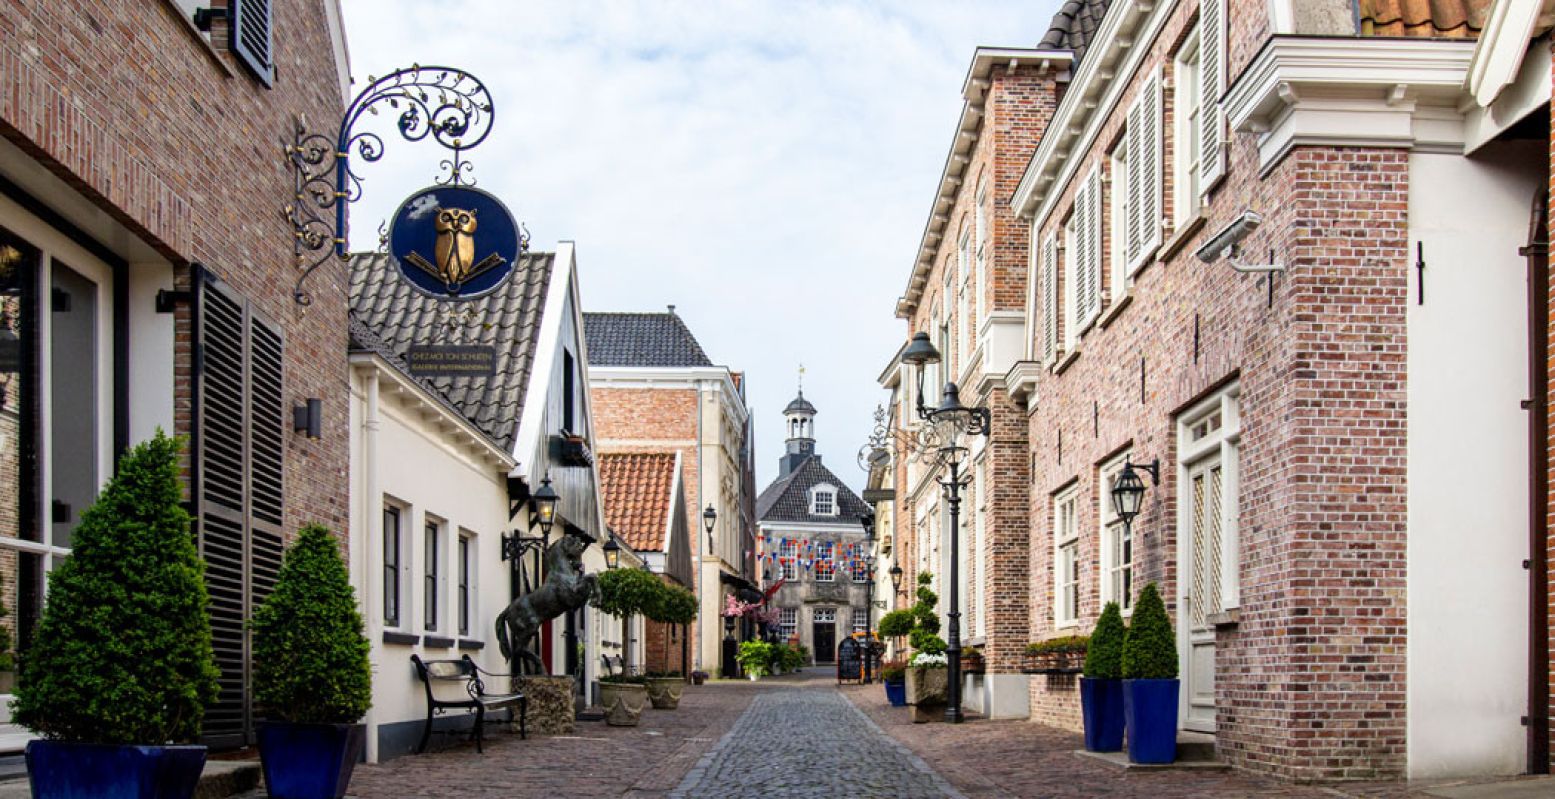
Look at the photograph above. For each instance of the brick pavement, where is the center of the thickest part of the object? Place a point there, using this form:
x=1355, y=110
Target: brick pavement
x=1025, y=759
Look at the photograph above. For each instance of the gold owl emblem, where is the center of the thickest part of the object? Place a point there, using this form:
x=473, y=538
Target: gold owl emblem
x=454, y=250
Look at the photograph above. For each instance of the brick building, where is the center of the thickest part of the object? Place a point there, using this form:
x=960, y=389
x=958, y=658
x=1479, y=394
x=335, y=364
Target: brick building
x=816, y=562
x=141, y=194
x=967, y=290
x=1336, y=404
x=654, y=389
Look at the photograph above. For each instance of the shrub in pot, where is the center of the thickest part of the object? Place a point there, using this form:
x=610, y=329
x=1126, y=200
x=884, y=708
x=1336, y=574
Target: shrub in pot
x=672, y=604
x=894, y=676
x=120, y=671
x=311, y=673
x=1150, y=683
x=7, y=657
x=1101, y=687
x=755, y=658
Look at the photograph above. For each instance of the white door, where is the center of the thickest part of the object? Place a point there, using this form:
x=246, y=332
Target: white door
x=1201, y=589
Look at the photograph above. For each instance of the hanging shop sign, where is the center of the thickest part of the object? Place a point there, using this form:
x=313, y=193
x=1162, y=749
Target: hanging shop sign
x=451, y=360
x=454, y=242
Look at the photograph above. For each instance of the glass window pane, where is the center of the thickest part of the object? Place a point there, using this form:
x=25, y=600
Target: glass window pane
x=73, y=399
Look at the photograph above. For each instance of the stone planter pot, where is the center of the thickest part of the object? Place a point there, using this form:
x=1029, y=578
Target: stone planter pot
x=927, y=692
x=309, y=761
x=103, y=771
x=664, y=692
x=624, y=702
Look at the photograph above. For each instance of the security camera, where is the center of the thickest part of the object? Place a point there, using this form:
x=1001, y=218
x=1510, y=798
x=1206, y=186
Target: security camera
x=1229, y=236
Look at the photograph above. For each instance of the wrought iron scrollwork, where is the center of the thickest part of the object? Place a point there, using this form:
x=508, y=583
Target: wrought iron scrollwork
x=449, y=106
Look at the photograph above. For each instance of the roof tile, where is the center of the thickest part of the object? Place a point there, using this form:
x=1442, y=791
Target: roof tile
x=637, y=490
x=641, y=339
x=788, y=498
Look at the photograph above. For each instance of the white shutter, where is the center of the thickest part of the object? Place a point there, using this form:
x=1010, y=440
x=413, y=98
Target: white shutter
x=1145, y=164
x=1094, y=247
x=1132, y=221
x=1078, y=260
x=1048, y=285
x=1212, y=70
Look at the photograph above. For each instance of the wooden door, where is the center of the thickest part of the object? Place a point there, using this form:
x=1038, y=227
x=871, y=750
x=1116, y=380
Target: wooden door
x=1201, y=589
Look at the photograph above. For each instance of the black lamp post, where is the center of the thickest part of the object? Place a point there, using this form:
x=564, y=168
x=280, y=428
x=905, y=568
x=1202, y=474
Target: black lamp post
x=709, y=521
x=867, y=521
x=951, y=422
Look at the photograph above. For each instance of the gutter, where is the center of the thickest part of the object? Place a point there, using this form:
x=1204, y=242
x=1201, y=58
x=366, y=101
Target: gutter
x=1538, y=719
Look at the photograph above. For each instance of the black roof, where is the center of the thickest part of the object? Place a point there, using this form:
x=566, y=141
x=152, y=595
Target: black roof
x=788, y=498
x=641, y=339
x=800, y=405
x=388, y=316
x=1074, y=26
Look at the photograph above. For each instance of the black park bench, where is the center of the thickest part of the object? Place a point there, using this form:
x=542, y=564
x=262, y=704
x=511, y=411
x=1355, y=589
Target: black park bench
x=475, y=697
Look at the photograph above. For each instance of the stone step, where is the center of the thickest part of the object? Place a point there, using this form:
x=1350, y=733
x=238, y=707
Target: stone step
x=1195, y=752
x=221, y=779
x=1195, y=746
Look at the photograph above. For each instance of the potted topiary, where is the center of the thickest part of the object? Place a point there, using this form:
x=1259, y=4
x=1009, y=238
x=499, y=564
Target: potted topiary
x=673, y=605
x=624, y=593
x=311, y=673
x=698, y=677
x=894, y=675
x=120, y=670
x=1150, y=683
x=755, y=658
x=1101, y=688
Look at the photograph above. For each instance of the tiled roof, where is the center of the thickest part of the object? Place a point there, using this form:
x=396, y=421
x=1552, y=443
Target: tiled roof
x=636, y=488
x=800, y=405
x=1074, y=26
x=397, y=316
x=1442, y=19
x=788, y=498
x=641, y=339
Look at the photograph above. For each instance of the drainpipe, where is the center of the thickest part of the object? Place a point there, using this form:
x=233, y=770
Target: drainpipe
x=1538, y=719
x=371, y=579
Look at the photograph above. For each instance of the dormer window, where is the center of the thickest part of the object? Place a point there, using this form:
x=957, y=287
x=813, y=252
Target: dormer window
x=823, y=501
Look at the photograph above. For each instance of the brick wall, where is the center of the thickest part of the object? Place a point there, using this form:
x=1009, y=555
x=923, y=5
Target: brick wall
x=177, y=142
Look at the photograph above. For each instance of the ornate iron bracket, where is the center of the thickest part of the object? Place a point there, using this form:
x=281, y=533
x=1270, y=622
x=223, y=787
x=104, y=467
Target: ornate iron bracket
x=449, y=105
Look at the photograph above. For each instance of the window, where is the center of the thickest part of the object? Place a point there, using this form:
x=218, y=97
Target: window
x=1141, y=219
x=825, y=615
x=1185, y=133
x=964, y=329
x=466, y=581
x=1209, y=547
x=981, y=246
x=788, y=622
x=569, y=392
x=858, y=567
x=788, y=556
x=1211, y=82
x=824, y=502
x=825, y=566
x=1066, y=560
x=1082, y=250
x=391, y=566
x=1117, y=261
x=860, y=619
x=1047, y=287
x=1117, y=545
x=431, y=571
x=250, y=25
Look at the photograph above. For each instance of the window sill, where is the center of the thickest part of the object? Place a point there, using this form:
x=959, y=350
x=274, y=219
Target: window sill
x=437, y=642
x=199, y=38
x=1181, y=237
x=1067, y=359
x=1225, y=619
x=1115, y=308
x=401, y=639
x=471, y=646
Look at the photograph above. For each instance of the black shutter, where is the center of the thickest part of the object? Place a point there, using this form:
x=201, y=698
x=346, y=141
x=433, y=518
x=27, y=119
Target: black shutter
x=250, y=35
x=239, y=453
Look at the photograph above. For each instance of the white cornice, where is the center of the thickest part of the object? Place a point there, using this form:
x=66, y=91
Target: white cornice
x=678, y=377
x=1348, y=91
x=447, y=421
x=969, y=128
x=1021, y=382
x=1112, y=57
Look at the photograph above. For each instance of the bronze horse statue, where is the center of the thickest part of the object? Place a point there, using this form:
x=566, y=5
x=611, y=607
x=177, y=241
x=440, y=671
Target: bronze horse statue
x=566, y=588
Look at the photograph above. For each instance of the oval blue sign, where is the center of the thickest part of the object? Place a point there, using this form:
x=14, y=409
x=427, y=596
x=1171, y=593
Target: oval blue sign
x=454, y=242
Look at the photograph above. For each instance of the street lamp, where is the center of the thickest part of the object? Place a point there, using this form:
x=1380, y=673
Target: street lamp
x=949, y=424
x=1128, y=491
x=612, y=552
x=545, y=506
x=709, y=520
x=896, y=580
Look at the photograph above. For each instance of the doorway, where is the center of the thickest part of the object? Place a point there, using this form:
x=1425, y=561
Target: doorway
x=823, y=632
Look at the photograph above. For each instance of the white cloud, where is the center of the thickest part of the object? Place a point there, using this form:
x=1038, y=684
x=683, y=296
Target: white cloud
x=765, y=167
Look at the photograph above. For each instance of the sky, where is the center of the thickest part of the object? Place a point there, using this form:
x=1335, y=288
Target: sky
x=765, y=167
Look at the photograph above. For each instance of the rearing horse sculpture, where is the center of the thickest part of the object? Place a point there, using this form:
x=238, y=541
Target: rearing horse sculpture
x=566, y=588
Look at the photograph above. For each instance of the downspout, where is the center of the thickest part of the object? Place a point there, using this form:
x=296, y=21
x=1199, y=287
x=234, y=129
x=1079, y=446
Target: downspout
x=1538, y=720
x=371, y=579
x=695, y=535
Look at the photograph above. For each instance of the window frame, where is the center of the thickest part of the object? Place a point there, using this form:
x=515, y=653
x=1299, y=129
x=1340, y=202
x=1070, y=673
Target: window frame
x=788, y=622
x=830, y=493
x=788, y=558
x=860, y=620
x=433, y=572
x=1222, y=443
x=825, y=552
x=1118, y=209
x=1187, y=199
x=1114, y=536
x=468, y=575
x=1066, y=556
x=393, y=544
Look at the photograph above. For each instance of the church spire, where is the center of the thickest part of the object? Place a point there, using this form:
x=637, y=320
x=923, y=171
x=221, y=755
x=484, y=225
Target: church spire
x=800, y=418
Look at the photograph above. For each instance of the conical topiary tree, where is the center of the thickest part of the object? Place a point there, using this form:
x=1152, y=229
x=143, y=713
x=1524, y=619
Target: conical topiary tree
x=123, y=652
x=1149, y=647
x=310, y=657
x=7, y=657
x=1104, y=653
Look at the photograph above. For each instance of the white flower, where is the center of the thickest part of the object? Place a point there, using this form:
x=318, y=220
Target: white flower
x=922, y=659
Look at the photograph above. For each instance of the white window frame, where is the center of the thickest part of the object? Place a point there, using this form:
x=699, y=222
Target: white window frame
x=1115, y=536
x=858, y=568
x=1082, y=250
x=434, y=596
x=1066, y=557
x=980, y=246
x=825, y=552
x=1194, y=446
x=788, y=558
x=404, y=574
x=1186, y=199
x=1118, y=208
x=1048, y=305
x=788, y=622
x=467, y=571
x=823, y=616
x=828, y=492
x=979, y=586
x=964, y=329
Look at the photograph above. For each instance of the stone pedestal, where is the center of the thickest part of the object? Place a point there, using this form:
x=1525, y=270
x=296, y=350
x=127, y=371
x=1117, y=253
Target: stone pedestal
x=928, y=693
x=551, y=710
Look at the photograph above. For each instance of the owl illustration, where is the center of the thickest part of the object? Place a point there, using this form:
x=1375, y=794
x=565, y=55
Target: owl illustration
x=455, y=250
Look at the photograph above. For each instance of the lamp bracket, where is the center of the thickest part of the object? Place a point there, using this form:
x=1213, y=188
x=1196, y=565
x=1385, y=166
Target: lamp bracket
x=1153, y=467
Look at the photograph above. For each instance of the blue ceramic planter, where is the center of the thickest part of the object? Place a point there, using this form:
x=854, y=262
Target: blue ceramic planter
x=309, y=761
x=896, y=692
x=1150, y=713
x=1101, y=705
x=104, y=771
